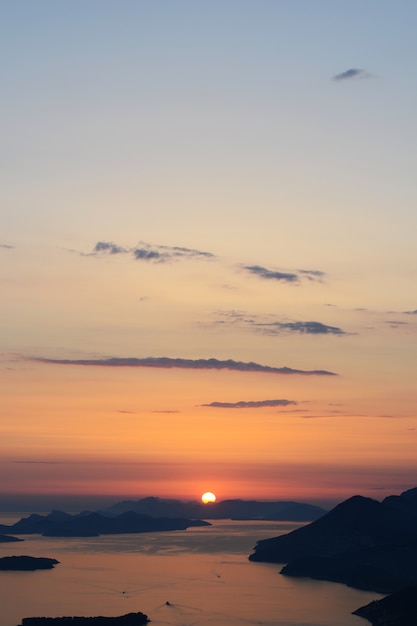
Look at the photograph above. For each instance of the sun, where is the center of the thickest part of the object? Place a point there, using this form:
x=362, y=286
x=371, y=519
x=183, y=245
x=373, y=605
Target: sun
x=208, y=497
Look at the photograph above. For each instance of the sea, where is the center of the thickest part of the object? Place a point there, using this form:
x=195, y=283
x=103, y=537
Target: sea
x=197, y=577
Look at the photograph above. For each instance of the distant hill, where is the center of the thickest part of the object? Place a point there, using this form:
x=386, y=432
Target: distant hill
x=60, y=524
x=225, y=509
x=361, y=542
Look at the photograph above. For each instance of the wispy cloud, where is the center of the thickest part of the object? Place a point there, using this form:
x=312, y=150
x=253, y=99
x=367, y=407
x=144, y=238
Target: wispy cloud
x=351, y=73
x=147, y=252
x=286, y=277
x=263, y=272
x=169, y=363
x=6, y=246
x=313, y=274
x=267, y=325
x=410, y=312
x=255, y=404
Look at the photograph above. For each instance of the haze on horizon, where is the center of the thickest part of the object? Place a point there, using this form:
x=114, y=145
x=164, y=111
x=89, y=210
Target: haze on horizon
x=207, y=249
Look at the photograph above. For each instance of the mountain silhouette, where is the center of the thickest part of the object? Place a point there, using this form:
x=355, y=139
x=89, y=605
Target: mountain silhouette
x=225, y=509
x=361, y=542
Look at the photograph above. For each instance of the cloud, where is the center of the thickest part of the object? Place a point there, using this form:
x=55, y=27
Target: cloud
x=108, y=247
x=6, y=246
x=275, y=327
x=169, y=363
x=256, y=404
x=287, y=277
x=271, y=274
x=351, y=73
x=313, y=274
x=305, y=328
x=146, y=252
x=410, y=312
x=396, y=324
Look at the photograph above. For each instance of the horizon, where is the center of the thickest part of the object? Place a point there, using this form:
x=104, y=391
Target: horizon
x=39, y=503
x=207, y=250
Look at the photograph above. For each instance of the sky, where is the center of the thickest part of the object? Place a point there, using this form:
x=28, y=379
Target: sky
x=208, y=259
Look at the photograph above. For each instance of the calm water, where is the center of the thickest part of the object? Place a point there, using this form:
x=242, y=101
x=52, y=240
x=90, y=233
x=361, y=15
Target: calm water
x=203, y=573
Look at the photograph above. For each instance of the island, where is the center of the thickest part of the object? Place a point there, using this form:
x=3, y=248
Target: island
x=61, y=524
x=130, y=619
x=26, y=563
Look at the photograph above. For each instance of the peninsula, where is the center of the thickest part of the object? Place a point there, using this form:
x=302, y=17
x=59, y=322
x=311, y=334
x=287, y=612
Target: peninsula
x=130, y=619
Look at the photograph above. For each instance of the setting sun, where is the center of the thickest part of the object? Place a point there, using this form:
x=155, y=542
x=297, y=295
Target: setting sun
x=208, y=497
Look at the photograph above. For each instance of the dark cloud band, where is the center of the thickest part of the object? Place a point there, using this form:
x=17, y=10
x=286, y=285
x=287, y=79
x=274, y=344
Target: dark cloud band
x=196, y=364
x=305, y=328
x=256, y=404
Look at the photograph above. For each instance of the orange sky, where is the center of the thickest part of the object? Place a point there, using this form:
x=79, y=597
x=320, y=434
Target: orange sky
x=230, y=187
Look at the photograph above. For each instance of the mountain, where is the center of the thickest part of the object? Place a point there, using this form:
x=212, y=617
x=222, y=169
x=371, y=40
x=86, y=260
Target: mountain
x=361, y=542
x=398, y=609
x=405, y=502
x=60, y=524
x=226, y=509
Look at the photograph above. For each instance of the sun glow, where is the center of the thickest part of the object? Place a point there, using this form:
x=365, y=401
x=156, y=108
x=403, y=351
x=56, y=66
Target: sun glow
x=207, y=497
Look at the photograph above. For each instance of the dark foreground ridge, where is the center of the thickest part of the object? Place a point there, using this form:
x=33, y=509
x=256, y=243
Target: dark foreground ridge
x=130, y=619
x=398, y=609
x=362, y=543
x=60, y=524
x=26, y=563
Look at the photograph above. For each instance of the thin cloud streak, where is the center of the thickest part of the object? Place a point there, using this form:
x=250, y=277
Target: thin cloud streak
x=350, y=74
x=253, y=404
x=304, y=328
x=294, y=276
x=263, y=272
x=169, y=363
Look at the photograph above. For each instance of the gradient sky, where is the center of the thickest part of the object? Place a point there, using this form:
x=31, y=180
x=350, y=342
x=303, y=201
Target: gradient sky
x=190, y=188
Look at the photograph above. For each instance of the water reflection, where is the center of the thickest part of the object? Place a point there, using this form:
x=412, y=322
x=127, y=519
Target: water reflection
x=199, y=576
